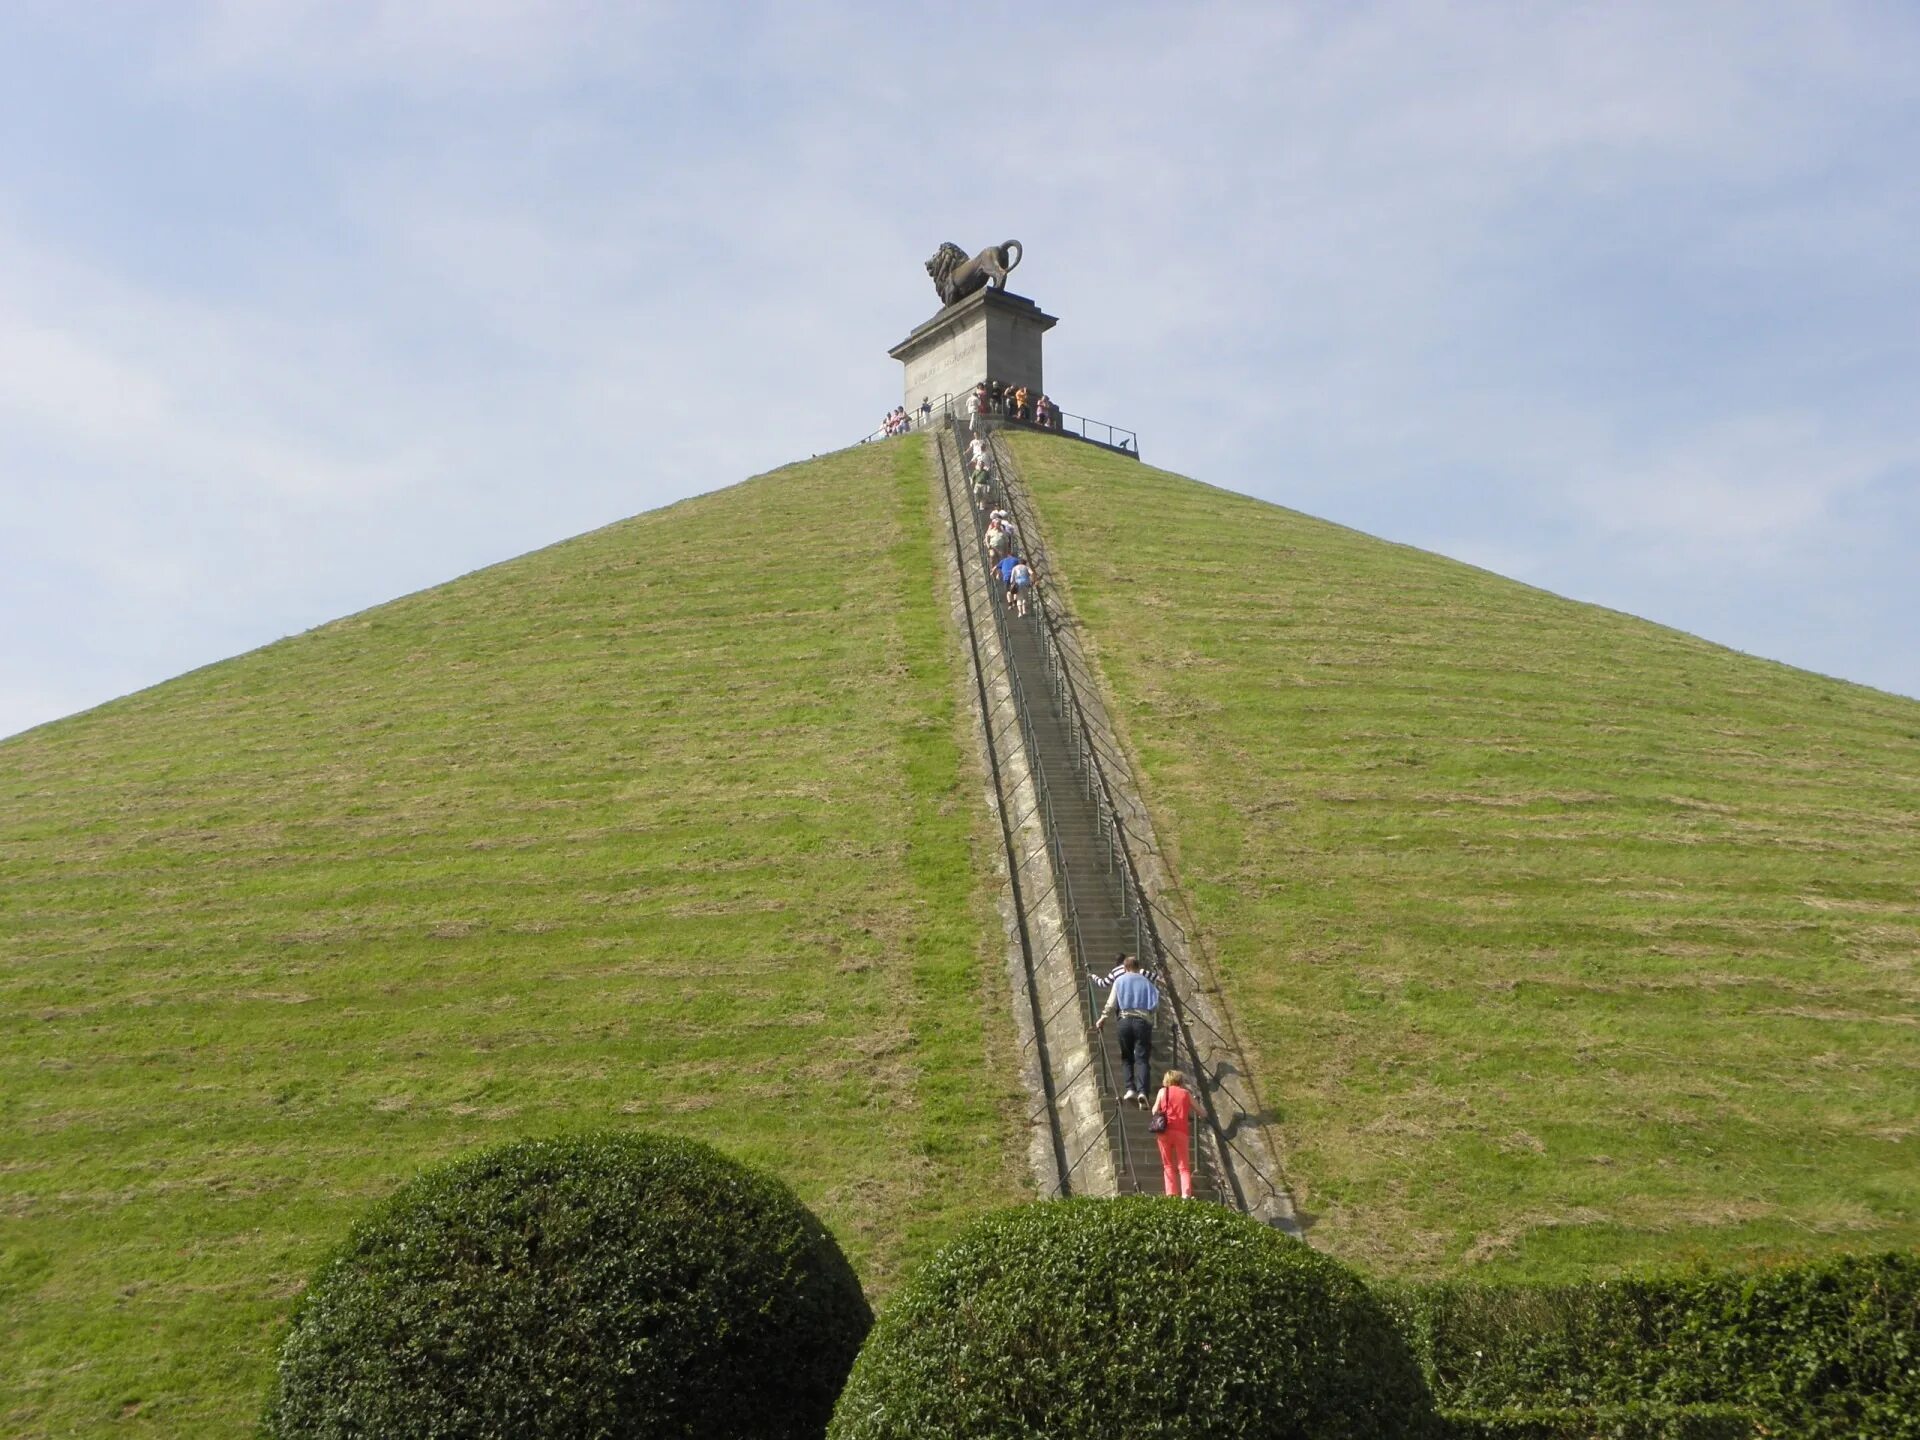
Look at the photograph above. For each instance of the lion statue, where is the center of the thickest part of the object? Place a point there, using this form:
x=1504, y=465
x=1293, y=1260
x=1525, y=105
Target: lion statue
x=955, y=276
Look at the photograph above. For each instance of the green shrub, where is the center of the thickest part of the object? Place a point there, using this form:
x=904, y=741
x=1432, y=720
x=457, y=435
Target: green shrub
x=1135, y=1317
x=600, y=1285
x=1827, y=1348
x=1622, y=1422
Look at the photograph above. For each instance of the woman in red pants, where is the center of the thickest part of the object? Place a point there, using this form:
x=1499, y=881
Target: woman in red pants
x=1175, y=1102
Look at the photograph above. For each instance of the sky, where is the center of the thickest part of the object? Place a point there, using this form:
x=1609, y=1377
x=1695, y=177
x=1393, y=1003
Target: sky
x=307, y=304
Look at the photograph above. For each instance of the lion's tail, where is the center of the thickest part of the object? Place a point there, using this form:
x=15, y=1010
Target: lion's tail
x=1015, y=248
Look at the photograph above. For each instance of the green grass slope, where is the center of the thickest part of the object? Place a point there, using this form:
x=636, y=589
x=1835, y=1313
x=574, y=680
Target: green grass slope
x=667, y=826
x=1561, y=940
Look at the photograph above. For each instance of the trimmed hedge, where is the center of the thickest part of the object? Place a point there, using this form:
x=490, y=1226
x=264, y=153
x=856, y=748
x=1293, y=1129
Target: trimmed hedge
x=601, y=1285
x=1626, y=1422
x=1136, y=1317
x=1826, y=1348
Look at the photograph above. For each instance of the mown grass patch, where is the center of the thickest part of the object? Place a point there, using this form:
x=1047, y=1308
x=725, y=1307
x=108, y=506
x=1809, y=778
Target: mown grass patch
x=669, y=825
x=1562, y=940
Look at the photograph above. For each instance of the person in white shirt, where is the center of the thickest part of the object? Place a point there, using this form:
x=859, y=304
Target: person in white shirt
x=982, y=465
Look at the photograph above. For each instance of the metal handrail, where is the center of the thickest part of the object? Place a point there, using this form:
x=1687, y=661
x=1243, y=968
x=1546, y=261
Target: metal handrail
x=1114, y=437
x=1143, y=909
x=1022, y=708
x=1083, y=728
x=1058, y=658
x=950, y=407
x=1037, y=768
x=1063, y=882
x=1132, y=890
x=1048, y=1092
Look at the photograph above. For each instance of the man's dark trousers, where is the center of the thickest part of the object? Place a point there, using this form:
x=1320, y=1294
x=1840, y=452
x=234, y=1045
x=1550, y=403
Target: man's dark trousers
x=1136, y=1053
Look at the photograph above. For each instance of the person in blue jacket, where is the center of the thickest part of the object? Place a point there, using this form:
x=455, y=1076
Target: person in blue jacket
x=1004, y=570
x=1134, y=998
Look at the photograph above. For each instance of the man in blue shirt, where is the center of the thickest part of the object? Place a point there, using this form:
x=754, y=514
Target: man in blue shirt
x=1005, y=571
x=1134, y=998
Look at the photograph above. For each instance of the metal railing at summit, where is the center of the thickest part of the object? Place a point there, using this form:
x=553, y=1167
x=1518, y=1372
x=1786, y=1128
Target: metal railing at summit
x=945, y=408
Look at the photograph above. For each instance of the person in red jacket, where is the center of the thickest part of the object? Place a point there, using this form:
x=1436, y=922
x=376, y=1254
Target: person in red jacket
x=1175, y=1102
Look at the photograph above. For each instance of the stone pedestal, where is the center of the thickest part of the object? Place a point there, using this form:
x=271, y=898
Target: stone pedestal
x=990, y=335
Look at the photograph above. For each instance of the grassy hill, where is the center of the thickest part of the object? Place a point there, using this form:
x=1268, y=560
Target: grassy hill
x=1561, y=940
x=666, y=826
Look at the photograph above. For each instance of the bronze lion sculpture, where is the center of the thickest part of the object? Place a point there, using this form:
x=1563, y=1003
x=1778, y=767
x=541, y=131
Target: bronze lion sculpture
x=955, y=276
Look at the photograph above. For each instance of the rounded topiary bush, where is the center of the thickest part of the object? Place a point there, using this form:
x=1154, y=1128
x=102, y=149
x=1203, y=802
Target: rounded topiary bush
x=1137, y=1318
x=598, y=1285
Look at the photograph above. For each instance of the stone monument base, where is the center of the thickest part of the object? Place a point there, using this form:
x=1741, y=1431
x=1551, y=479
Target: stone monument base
x=990, y=335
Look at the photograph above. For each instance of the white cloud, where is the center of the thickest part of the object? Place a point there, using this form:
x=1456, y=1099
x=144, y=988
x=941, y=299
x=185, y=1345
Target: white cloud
x=415, y=46
x=1744, y=493
x=126, y=368
x=102, y=404
x=521, y=268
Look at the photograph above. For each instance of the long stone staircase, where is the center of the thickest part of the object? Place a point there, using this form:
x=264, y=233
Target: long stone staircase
x=1102, y=919
x=1097, y=915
